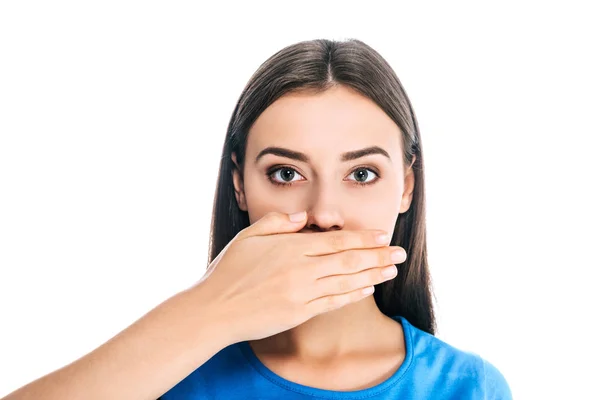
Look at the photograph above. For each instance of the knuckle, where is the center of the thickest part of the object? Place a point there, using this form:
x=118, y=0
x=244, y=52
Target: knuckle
x=365, y=239
x=343, y=285
x=376, y=276
x=337, y=241
x=350, y=260
x=272, y=214
x=271, y=217
x=383, y=258
x=313, y=270
x=333, y=302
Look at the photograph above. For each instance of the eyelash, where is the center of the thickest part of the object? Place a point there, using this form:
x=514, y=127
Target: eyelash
x=276, y=168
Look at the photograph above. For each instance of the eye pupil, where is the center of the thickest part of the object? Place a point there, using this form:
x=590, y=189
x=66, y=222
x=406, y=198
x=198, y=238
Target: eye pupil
x=361, y=175
x=287, y=174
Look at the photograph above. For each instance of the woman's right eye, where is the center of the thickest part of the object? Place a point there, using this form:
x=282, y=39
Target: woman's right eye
x=284, y=176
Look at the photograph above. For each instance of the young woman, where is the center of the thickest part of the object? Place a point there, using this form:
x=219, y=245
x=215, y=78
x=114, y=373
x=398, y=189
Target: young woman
x=320, y=198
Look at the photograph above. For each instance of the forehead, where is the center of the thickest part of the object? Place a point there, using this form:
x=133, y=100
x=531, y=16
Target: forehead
x=338, y=119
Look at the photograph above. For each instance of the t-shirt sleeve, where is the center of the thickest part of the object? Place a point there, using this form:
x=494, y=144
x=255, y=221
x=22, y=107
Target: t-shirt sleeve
x=496, y=386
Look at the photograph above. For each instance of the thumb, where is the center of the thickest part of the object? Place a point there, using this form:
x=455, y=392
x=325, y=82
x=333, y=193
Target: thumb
x=275, y=222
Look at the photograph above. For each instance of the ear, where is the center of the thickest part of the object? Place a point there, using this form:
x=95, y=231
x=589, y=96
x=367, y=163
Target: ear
x=238, y=184
x=409, y=187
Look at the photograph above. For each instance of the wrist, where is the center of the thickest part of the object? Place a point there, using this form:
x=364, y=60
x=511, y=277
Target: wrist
x=207, y=319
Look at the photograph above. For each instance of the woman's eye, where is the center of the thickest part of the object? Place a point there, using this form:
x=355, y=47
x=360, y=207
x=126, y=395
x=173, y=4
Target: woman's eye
x=363, y=175
x=285, y=175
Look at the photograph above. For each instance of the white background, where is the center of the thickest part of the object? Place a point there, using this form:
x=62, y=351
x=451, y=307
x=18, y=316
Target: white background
x=112, y=117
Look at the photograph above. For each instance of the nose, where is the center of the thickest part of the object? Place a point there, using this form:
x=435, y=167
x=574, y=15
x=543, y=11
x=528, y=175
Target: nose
x=324, y=213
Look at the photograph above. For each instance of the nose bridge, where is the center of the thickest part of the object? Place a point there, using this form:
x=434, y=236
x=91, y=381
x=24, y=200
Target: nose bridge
x=324, y=209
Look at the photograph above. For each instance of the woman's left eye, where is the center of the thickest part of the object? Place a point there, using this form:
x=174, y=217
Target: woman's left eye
x=363, y=176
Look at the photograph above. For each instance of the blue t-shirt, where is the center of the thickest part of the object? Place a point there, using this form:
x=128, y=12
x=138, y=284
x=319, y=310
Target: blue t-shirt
x=432, y=369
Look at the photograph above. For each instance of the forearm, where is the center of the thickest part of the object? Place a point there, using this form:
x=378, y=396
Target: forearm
x=144, y=360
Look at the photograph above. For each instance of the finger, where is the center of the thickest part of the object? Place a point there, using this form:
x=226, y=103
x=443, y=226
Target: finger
x=338, y=284
x=329, y=303
x=321, y=243
x=274, y=222
x=352, y=261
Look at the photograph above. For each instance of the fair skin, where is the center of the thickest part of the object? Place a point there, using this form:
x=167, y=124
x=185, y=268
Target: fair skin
x=356, y=346
x=296, y=297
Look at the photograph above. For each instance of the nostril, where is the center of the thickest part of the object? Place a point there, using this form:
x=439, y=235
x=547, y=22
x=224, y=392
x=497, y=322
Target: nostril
x=317, y=228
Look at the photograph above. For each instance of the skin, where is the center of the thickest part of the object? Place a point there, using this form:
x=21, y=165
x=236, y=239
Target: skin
x=356, y=346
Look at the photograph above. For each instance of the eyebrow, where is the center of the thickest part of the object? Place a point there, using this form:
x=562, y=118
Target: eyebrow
x=295, y=155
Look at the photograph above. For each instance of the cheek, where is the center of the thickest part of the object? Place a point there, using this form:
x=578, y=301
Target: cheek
x=375, y=207
x=372, y=212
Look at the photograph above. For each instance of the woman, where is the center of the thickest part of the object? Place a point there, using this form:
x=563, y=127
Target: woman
x=320, y=191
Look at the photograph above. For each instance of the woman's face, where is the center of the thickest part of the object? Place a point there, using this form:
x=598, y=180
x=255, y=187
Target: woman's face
x=336, y=155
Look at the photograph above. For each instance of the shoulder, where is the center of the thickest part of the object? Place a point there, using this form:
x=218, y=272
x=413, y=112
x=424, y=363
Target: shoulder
x=496, y=386
x=461, y=369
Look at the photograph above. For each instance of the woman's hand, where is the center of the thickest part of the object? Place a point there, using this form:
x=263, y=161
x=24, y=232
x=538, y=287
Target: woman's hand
x=270, y=278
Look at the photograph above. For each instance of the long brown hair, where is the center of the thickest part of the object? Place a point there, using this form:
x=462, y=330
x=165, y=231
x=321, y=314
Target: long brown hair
x=317, y=65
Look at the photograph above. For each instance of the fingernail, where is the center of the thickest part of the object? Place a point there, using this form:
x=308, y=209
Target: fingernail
x=389, y=271
x=398, y=256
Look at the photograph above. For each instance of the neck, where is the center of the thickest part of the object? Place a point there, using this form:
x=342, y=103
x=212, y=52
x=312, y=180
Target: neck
x=356, y=328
